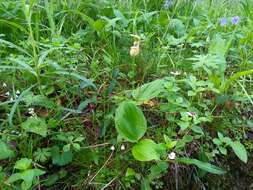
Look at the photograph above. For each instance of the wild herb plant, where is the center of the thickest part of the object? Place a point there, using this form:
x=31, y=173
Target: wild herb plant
x=123, y=94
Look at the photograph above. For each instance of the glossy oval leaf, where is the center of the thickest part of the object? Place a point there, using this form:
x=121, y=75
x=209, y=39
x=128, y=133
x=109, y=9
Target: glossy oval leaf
x=240, y=151
x=146, y=150
x=130, y=122
x=202, y=165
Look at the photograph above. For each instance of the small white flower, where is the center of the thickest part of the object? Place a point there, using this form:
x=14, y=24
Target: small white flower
x=112, y=148
x=122, y=147
x=11, y=99
x=31, y=111
x=17, y=92
x=172, y=156
x=176, y=73
x=191, y=114
x=4, y=85
x=7, y=93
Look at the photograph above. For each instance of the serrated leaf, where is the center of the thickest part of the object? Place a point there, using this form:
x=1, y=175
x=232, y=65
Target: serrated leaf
x=130, y=122
x=146, y=150
x=38, y=100
x=240, y=151
x=23, y=164
x=61, y=159
x=35, y=125
x=156, y=170
x=5, y=151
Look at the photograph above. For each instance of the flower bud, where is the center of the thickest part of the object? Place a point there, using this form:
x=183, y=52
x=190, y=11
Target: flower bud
x=135, y=49
x=122, y=147
x=112, y=148
x=172, y=156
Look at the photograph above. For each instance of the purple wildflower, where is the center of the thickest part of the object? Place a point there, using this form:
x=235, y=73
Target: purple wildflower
x=223, y=21
x=235, y=20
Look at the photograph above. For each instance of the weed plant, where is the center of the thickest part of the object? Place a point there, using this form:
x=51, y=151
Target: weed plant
x=126, y=94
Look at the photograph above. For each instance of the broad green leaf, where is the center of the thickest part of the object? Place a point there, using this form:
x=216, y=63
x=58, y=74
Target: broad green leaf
x=240, y=151
x=130, y=122
x=198, y=130
x=23, y=164
x=130, y=172
x=14, y=177
x=38, y=172
x=25, y=185
x=61, y=159
x=146, y=150
x=28, y=175
x=157, y=169
x=51, y=180
x=35, y=125
x=149, y=90
x=145, y=184
x=222, y=150
x=5, y=151
x=202, y=165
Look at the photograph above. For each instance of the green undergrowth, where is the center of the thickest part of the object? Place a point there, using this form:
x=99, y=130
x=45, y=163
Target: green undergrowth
x=126, y=94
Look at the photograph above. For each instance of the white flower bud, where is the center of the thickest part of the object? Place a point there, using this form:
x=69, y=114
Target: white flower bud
x=112, y=148
x=172, y=156
x=17, y=92
x=122, y=147
x=4, y=85
x=7, y=93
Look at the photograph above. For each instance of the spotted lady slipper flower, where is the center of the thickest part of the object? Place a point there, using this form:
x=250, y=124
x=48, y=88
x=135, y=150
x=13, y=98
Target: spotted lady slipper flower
x=135, y=49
